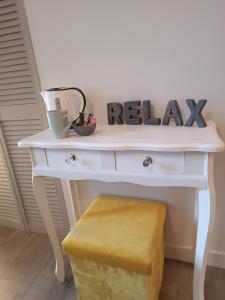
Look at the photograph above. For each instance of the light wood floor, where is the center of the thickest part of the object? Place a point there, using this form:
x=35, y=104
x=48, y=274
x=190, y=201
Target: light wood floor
x=27, y=273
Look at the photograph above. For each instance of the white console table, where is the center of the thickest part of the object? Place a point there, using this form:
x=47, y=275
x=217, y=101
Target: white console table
x=146, y=155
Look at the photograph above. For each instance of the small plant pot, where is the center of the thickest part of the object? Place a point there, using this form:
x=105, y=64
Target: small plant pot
x=85, y=130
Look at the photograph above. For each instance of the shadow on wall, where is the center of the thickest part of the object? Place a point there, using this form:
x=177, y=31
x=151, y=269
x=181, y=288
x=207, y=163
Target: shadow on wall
x=180, y=204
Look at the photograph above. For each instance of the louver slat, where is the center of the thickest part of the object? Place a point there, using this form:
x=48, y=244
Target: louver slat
x=10, y=37
x=12, y=56
x=16, y=80
x=13, y=62
x=6, y=3
x=8, y=17
x=10, y=23
x=11, y=43
x=14, y=68
x=5, y=49
x=6, y=9
x=18, y=91
x=15, y=74
x=21, y=96
x=9, y=30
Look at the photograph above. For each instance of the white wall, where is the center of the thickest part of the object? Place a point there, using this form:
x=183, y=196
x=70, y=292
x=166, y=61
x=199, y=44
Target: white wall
x=140, y=49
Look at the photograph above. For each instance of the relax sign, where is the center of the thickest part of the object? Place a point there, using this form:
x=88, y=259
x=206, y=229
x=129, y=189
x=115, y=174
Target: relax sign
x=130, y=113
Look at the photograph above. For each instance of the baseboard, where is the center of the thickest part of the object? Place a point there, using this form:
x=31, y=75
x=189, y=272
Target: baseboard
x=183, y=253
x=216, y=259
x=186, y=253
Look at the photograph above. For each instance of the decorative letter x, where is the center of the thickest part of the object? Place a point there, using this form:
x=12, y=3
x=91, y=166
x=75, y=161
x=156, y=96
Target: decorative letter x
x=196, y=115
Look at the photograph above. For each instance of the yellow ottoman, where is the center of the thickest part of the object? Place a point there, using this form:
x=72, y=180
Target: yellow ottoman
x=116, y=249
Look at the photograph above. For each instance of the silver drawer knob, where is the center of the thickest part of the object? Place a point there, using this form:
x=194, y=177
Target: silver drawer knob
x=147, y=161
x=70, y=158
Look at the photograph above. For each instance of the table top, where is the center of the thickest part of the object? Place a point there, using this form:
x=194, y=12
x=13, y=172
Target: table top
x=135, y=137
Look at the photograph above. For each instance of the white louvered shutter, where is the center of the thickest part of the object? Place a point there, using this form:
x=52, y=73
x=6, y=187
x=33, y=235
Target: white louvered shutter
x=21, y=111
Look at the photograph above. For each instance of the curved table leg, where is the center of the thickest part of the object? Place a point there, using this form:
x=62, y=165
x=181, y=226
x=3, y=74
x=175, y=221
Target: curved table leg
x=206, y=207
x=39, y=189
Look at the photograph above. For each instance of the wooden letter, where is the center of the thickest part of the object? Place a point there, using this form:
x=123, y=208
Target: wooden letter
x=196, y=113
x=115, y=111
x=132, y=112
x=172, y=111
x=148, y=120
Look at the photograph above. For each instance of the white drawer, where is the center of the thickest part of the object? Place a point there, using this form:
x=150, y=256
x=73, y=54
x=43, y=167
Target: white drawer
x=77, y=159
x=80, y=159
x=159, y=162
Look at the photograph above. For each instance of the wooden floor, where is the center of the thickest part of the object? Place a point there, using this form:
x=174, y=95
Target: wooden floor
x=27, y=273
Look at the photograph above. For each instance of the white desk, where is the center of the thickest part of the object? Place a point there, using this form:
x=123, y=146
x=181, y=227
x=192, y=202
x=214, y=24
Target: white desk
x=173, y=156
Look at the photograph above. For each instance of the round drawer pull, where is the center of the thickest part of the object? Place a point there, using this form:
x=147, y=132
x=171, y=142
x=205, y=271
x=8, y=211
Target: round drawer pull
x=70, y=158
x=147, y=161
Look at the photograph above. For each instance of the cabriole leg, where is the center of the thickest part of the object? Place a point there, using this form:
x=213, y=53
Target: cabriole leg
x=39, y=189
x=206, y=207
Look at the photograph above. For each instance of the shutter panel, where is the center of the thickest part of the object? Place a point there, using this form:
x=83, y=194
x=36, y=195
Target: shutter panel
x=8, y=203
x=21, y=111
x=10, y=212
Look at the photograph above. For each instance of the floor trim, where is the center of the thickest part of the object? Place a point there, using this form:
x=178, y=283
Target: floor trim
x=186, y=253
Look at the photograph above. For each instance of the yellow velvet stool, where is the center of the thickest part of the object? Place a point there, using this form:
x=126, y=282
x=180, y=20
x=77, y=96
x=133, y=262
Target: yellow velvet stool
x=116, y=249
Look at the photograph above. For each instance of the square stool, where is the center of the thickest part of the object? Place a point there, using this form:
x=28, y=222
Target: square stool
x=116, y=249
